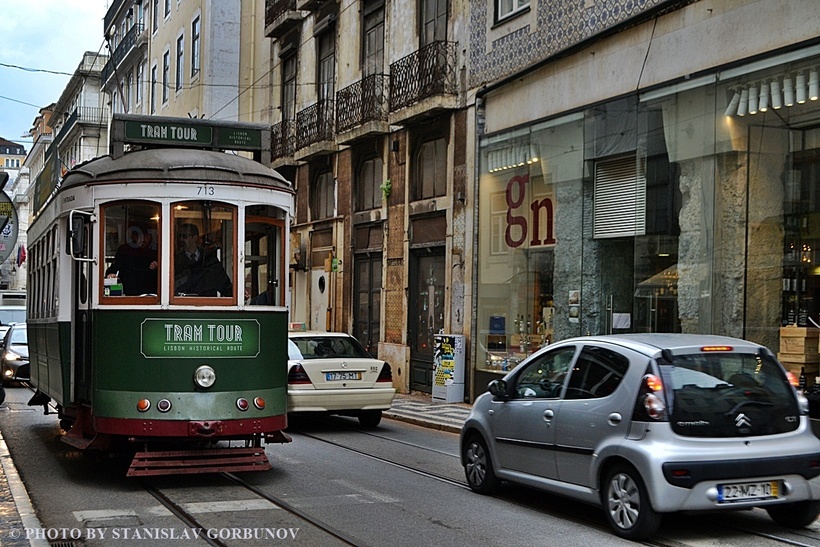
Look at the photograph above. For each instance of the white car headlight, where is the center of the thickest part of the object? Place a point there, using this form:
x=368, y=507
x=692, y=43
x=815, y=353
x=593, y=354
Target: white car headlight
x=205, y=376
x=11, y=356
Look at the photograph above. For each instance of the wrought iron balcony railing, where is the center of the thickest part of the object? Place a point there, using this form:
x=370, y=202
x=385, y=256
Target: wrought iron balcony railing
x=83, y=114
x=283, y=139
x=280, y=17
x=314, y=124
x=121, y=51
x=425, y=73
x=365, y=101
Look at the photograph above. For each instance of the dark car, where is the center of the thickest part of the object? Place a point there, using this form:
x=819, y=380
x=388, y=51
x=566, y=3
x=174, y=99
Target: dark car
x=14, y=362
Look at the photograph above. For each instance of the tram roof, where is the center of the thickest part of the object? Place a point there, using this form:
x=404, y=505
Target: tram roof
x=175, y=164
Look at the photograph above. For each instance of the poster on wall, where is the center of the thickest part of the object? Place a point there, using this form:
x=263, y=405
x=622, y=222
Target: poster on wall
x=574, y=306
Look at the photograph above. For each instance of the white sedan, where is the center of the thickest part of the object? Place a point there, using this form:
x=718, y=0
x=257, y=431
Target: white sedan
x=331, y=372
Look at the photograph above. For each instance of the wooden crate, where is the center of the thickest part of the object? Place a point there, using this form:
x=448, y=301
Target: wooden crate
x=799, y=340
x=798, y=358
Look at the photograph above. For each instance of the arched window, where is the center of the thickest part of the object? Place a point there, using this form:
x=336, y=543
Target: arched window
x=431, y=169
x=368, y=184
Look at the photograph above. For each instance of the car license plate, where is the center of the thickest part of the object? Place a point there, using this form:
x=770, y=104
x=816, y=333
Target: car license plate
x=743, y=491
x=342, y=376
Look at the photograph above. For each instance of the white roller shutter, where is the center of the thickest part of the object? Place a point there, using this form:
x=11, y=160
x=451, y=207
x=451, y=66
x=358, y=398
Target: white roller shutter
x=620, y=198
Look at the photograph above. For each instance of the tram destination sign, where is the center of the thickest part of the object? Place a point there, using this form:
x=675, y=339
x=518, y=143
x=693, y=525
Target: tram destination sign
x=162, y=338
x=163, y=131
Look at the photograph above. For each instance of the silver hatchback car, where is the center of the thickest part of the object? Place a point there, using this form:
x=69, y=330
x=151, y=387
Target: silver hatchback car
x=643, y=425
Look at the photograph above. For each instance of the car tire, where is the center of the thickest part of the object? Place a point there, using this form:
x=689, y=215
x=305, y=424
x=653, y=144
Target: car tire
x=798, y=514
x=2, y=394
x=478, y=466
x=370, y=419
x=626, y=504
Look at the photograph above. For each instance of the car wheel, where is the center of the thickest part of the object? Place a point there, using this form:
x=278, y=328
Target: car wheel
x=478, y=467
x=370, y=419
x=626, y=504
x=795, y=515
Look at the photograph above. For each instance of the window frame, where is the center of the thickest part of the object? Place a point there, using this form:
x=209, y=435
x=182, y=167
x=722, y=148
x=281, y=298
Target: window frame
x=516, y=7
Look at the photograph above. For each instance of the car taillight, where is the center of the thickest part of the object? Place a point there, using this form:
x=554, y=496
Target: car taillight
x=297, y=375
x=650, y=404
x=386, y=374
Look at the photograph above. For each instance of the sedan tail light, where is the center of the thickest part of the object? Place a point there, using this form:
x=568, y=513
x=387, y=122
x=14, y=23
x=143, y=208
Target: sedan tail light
x=386, y=374
x=297, y=375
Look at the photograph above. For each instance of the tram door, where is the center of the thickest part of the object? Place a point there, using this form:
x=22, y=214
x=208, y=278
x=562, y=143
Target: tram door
x=265, y=281
x=426, y=314
x=82, y=351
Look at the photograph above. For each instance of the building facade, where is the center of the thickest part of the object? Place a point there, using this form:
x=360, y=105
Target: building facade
x=640, y=171
x=185, y=59
x=369, y=120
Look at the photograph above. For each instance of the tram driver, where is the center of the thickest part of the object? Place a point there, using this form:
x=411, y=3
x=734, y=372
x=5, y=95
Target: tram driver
x=198, y=271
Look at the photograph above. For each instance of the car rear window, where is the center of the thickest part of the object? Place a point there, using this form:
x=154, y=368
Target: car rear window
x=329, y=347
x=726, y=394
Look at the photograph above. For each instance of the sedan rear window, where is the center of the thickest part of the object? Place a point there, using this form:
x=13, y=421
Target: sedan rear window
x=328, y=347
x=727, y=394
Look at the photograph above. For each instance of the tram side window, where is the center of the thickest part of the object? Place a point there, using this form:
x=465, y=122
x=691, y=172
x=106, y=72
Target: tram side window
x=205, y=254
x=131, y=240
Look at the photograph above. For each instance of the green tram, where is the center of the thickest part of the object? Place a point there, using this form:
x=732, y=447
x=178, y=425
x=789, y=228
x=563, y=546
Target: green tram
x=158, y=302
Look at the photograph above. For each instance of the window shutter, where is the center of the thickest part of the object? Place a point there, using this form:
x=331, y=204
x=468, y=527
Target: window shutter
x=620, y=198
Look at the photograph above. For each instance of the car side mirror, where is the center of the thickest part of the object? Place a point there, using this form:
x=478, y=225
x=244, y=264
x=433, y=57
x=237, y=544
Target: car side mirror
x=498, y=388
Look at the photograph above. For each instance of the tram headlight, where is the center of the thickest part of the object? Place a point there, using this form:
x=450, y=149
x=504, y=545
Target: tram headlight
x=205, y=376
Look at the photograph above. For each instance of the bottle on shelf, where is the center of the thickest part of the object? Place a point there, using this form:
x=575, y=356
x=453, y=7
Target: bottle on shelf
x=801, y=381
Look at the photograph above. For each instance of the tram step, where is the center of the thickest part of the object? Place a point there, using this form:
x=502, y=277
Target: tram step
x=219, y=460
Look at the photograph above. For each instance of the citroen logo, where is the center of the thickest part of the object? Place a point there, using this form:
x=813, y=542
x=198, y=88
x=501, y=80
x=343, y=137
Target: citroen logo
x=344, y=365
x=741, y=420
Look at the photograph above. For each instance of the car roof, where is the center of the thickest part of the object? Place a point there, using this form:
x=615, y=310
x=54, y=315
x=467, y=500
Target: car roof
x=652, y=344
x=315, y=334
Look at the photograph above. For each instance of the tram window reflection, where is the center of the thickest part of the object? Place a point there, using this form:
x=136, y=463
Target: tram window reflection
x=204, y=255
x=131, y=249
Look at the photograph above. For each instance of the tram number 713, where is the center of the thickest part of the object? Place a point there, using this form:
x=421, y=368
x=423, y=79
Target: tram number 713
x=205, y=190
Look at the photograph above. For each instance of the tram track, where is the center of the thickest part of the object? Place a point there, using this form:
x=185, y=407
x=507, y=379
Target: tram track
x=796, y=538
x=193, y=523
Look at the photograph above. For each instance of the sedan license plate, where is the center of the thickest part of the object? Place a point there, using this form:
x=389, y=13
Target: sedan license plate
x=728, y=493
x=342, y=376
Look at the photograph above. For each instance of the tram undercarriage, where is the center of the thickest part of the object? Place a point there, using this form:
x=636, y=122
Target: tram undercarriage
x=210, y=450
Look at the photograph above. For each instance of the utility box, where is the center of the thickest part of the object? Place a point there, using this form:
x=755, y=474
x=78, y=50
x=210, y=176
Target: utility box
x=448, y=363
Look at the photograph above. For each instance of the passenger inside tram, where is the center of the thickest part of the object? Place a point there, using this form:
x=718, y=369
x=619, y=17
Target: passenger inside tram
x=197, y=270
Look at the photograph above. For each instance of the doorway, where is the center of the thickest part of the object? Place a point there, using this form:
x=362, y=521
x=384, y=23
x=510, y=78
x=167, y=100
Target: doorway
x=426, y=314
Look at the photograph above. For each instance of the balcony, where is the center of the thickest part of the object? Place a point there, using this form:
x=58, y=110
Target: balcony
x=283, y=143
x=84, y=115
x=309, y=5
x=314, y=130
x=280, y=17
x=133, y=39
x=423, y=82
x=362, y=109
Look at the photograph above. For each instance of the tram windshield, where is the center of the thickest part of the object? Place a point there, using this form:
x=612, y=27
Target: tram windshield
x=131, y=249
x=205, y=254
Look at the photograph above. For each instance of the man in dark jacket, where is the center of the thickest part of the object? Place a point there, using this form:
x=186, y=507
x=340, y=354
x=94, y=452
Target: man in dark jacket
x=198, y=271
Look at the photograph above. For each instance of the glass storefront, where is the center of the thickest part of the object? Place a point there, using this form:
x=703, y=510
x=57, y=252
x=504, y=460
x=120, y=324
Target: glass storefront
x=694, y=208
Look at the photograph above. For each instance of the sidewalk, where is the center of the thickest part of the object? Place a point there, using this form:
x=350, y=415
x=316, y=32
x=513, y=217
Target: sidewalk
x=421, y=409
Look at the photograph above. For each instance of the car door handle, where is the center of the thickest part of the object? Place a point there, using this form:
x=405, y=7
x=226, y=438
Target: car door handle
x=549, y=415
x=614, y=419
